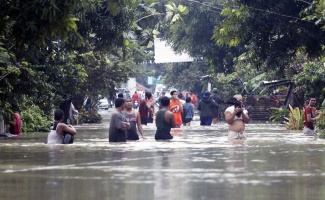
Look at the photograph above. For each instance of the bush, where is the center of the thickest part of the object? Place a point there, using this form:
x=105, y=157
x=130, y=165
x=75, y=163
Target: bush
x=90, y=116
x=279, y=114
x=34, y=120
x=320, y=124
x=296, y=119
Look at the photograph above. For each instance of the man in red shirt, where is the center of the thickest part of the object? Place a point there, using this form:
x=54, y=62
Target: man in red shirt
x=135, y=100
x=193, y=98
x=145, y=108
x=310, y=117
x=135, y=97
x=15, y=124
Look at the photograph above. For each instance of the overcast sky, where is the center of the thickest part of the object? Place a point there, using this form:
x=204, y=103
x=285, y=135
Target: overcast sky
x=165, y=54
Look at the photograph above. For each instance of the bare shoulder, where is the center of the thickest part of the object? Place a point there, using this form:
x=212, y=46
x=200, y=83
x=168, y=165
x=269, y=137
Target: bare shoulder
x=227, y=113
x=169, y=113
x=61, y=125
x=229, y=110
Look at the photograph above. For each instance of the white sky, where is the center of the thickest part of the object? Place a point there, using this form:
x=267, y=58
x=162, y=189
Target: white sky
x=165, y=54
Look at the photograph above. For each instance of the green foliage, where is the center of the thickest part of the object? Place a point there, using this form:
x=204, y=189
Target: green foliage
x=182, y=76
x=245, y=80
x=90, y=116
x=174, y=13
x=311, y=79
x=229, y=31
x=320, y=124
x=34, y=120
x=296, y=119
x=279, y=114
x=315, y=12
x=270, y=33
x=193, y=35
x=55, y=50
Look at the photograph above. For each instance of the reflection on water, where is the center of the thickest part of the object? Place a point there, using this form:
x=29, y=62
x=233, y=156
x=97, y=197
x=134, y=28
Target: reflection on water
x=199, y=163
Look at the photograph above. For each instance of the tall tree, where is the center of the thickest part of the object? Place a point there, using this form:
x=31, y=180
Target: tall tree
x=272, y=31
x=194, y=32
x=53, y=50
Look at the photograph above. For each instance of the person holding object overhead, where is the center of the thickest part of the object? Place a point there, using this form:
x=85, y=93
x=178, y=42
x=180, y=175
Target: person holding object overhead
x=118, y=124
x=236, y=117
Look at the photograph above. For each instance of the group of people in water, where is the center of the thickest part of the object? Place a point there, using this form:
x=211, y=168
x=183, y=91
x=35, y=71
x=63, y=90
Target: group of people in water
x=173, y=112
x=126, y=122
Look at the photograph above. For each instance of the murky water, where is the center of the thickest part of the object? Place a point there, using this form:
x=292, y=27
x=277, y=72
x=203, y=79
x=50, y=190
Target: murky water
x=199, y=163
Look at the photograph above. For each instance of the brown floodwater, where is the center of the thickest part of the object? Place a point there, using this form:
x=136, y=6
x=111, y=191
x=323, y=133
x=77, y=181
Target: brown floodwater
x=199, y=163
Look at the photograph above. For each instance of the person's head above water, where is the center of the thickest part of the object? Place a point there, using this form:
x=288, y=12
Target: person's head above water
x=58, y=115
x=120, y=95
x=165, y=101
x=148, y=95
x=119, y=102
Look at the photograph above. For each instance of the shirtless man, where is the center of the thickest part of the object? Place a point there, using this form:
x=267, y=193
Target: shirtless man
x=236, y=118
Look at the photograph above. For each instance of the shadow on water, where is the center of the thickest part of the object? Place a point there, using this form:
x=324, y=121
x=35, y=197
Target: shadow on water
x=199, y=163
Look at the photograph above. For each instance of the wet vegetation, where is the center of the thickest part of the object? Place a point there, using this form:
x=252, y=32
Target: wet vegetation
x=89, y=116
x=56, y=50
x=296, y=119
x=254, y=41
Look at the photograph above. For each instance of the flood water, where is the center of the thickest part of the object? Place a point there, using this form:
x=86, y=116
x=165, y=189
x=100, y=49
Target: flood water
x=199, y=163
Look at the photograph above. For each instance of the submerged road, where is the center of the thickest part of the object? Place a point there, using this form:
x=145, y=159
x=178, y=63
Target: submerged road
x=199, y=163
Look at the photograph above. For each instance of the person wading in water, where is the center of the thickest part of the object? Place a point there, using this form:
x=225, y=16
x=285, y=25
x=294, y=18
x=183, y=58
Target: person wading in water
x=236, y=117
x=164, y=121
x=133, y=117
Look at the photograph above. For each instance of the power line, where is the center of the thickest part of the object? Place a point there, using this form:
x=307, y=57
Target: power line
x=252, y=8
